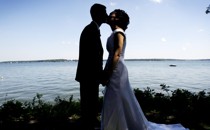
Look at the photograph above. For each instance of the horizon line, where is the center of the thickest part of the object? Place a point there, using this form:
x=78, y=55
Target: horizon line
x=127, y=59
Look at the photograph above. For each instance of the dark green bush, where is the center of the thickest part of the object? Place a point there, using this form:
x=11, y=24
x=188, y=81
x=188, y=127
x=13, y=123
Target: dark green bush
x=190, y=109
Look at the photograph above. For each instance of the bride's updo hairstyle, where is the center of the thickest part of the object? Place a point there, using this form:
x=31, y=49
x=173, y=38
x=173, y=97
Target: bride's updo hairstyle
x=122, y=18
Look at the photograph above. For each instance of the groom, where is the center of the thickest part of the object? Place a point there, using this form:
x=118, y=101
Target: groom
x=90, y=66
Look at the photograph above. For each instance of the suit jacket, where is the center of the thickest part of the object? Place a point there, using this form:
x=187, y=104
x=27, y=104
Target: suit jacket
x=90, y=62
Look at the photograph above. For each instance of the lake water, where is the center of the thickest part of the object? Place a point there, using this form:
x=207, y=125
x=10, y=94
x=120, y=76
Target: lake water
x=23, y=81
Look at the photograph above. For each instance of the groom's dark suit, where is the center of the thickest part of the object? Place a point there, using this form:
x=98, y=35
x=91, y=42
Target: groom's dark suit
x=90, y=62
x=89, y=72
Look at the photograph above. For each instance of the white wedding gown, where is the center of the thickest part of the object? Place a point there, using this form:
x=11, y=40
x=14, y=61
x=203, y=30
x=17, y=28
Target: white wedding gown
x=121, y=110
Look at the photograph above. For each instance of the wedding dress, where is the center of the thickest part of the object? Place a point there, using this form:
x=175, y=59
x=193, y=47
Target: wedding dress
x=121, y=110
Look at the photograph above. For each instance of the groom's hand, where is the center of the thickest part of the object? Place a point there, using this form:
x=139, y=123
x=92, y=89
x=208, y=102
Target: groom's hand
x=105, y=78
x=104, y=82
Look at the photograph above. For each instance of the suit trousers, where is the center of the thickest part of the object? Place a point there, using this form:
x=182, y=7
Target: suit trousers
x=89, y=103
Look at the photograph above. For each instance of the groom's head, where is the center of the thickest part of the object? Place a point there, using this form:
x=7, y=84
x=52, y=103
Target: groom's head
x=98, y=13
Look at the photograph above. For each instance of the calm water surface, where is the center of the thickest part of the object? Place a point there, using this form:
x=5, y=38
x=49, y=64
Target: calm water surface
x=23, y=80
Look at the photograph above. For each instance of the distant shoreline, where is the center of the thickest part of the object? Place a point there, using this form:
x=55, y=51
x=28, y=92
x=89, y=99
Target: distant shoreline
x=67, y=60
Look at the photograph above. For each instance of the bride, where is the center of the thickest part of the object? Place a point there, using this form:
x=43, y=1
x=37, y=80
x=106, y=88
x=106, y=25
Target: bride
x=121, y=110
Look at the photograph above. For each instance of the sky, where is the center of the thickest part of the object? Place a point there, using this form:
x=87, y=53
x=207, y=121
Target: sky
x=50, y=29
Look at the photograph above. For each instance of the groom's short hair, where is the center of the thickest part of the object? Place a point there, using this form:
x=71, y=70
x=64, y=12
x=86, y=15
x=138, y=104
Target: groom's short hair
x=96, y=10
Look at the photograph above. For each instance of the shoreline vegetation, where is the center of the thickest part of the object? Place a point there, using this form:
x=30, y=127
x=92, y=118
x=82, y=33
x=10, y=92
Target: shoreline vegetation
x=67, y=60
x=190, y=109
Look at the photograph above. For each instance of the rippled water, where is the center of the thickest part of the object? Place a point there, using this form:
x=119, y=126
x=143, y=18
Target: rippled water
x=23, y=80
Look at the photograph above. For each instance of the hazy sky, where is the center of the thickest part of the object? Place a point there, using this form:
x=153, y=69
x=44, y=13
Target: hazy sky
x=50, y=29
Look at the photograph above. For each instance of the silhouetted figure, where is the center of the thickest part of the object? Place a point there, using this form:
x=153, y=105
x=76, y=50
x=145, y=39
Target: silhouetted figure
x=90, y=66
x=121, y=110
x=208, y=10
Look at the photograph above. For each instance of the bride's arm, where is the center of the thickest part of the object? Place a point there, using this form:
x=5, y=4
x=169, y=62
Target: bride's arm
x=119, y=41
x=118, y=45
